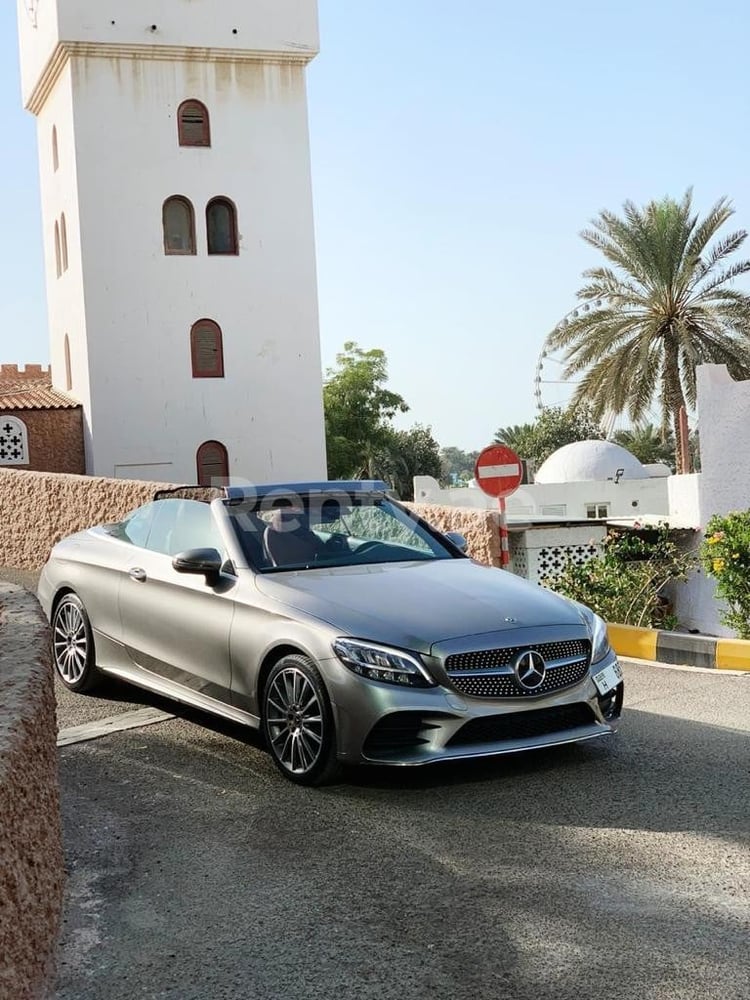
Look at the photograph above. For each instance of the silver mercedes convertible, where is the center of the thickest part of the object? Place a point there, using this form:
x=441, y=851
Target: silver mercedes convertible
x=334, y=620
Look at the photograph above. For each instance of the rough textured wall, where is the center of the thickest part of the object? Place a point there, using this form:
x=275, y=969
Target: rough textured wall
x=55, y=440
x=37, y=509
x=480, y=528
x=31, y=860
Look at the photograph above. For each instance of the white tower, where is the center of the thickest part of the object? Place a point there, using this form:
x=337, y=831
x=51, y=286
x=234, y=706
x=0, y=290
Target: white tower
x=178, y=231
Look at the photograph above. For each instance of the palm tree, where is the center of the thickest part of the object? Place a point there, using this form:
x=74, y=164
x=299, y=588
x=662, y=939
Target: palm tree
x=647, y=443
x=518, y=437
x=660, y=307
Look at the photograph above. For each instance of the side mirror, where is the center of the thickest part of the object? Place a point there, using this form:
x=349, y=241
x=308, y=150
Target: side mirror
x=457, y=539
x=199, y=562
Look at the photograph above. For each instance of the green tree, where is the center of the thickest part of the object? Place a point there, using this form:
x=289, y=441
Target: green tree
x=521, y=438
x=554, y=427
x=648, y=443
x=410, y=453
x=725, y=555
x=457, y=466
x=358, y=410
x=661, y=305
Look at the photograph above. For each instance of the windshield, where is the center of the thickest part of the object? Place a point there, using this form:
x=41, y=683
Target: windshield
x=294, y=533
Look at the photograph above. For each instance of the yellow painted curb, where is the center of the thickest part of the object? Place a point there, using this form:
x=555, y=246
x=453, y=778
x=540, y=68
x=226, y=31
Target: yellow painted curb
x=733, y=654
x=628, y=640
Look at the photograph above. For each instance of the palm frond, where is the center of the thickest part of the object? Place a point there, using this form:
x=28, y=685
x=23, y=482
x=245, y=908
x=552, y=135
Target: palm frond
x=659, y=306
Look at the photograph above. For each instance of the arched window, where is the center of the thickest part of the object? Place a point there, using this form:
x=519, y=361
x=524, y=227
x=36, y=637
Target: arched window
x=68, y=369
x=206, y=349
x=55, y=154
x=213, y=464
x=14, y=442
x=58, y=263
x=221, y=226
x=178, y=219
x=193, y=125
x=64, y=242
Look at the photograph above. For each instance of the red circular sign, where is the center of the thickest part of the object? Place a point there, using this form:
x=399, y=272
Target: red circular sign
x=498, y=471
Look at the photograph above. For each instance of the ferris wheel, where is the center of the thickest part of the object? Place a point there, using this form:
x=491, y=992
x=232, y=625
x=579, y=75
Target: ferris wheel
x=551, y=386
x=553, y=389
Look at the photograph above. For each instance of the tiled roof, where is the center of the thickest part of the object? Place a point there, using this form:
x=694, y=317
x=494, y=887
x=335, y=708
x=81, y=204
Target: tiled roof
x=28, y=394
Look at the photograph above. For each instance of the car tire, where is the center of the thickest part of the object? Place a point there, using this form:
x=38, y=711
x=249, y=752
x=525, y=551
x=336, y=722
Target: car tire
x=298, y=722
x=73, y=652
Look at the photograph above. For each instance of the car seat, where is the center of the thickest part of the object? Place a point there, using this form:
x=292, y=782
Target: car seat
x=288, y=540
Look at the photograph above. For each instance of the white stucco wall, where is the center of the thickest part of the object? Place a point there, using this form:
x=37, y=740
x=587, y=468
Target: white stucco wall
x=66, y=311
x=127, y=307
x=628, y=498
x=262, y=26
x=684, y=500
x=724, y=415
x=723, y=484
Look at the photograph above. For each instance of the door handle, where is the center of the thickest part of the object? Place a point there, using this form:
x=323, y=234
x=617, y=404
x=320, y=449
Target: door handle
x=137, y=574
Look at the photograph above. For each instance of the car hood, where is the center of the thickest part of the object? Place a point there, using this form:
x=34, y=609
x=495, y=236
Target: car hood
x=414, y=605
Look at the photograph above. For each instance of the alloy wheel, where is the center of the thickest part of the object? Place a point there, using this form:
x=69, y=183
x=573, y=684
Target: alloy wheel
x=70, y=642
x=294, y=718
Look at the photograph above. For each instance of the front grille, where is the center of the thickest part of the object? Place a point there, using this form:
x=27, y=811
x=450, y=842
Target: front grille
x=399, y=732
x=483, y=658
x=474, y=673
x=522, y=725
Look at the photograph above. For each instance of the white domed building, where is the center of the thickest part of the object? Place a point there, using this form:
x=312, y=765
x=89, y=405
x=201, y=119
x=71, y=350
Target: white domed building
x=590, y=462
x=563, y=515
x=593, y=480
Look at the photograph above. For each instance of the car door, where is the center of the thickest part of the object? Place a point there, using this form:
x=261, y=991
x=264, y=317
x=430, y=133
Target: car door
x=175, y=625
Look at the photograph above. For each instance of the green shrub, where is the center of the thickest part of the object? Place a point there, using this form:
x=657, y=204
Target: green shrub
x=625, y=584
x=725, y=555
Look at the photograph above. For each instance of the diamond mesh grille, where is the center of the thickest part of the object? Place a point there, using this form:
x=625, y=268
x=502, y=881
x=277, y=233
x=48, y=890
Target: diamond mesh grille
x=503, y=685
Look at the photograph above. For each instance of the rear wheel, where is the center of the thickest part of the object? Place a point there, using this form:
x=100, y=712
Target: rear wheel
x=73, y=645
x=298, y=722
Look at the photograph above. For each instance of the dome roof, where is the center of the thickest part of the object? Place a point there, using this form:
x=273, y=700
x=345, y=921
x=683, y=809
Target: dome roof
x=590, y=461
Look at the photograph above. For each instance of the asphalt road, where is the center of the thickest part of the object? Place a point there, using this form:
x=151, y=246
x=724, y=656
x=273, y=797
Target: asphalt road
x=619, y=869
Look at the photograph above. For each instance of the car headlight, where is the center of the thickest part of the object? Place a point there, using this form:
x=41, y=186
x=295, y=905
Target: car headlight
x=381, y=663
x=598, y=630
x=599, y=638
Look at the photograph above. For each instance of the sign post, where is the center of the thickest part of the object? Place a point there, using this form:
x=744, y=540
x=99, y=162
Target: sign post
x=498, y=472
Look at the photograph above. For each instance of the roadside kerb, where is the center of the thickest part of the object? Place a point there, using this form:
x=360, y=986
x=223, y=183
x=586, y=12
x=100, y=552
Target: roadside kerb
x=680, y=648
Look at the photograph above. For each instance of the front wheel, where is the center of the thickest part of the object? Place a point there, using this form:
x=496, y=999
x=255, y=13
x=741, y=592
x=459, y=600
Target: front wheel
x=298, y=722
x=73, y=645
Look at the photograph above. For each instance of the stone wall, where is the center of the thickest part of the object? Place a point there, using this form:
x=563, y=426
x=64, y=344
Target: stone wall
x=31, y=860
x=480, y=528
x=37, y=509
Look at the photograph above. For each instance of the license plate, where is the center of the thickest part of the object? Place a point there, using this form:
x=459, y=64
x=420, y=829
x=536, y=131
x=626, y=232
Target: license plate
x=608, y=679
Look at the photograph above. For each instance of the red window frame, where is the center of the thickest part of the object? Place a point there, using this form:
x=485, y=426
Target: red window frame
x=228, y=203
x=191, y=250
x=187, y=132
x=203, y=371
x=206, y=477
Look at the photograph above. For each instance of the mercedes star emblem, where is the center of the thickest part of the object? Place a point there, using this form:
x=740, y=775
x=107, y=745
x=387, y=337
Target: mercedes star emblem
x=529, y=669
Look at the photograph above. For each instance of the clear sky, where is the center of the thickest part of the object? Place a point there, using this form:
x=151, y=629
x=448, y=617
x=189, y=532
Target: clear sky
x=458, y=149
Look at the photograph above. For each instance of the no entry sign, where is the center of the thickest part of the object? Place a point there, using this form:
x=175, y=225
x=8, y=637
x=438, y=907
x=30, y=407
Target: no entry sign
x=498, y=471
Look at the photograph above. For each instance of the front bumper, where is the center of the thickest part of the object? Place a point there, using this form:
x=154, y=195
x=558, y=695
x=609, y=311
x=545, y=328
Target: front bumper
x=381, y=724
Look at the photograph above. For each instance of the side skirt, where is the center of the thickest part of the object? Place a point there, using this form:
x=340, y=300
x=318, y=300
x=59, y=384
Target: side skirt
x=185, y=696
